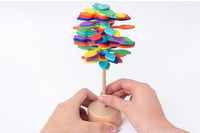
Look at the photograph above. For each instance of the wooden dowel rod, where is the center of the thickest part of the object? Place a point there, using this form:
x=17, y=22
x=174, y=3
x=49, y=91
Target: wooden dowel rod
x=103, y=82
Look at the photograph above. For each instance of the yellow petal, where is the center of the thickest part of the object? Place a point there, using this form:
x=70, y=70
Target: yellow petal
x=100, y=14
x=102, y=59
x=119, y=15
x=117, y=33
x=90, y=11
x=101, y=27
x=90, y=53
x=104, y=48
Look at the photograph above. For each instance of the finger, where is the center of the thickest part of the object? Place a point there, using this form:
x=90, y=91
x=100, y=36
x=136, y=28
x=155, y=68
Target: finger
x=99, y=127
x=123, y=97
x=114, y=102
x=122, y=84
x=83, y=97
x=83, y=114
x=121, y=93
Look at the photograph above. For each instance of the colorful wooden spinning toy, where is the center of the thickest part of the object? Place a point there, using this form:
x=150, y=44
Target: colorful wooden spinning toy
x=103, y=43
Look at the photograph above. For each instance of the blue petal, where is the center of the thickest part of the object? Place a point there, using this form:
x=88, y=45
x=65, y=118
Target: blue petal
x=103, y=64
x=115, y=61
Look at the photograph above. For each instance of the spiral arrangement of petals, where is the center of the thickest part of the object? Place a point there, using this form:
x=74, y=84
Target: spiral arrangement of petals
x=97, y=35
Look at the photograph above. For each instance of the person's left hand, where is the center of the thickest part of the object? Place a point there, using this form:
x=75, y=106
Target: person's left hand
x=70, y=117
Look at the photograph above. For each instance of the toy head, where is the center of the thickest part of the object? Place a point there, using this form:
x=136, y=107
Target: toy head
x=100, y=38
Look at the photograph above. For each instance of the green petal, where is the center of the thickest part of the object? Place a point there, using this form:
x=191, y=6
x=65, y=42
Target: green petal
x=108, y=13
x=86, y=47
x=121, y=51
x=128, y=41
x=88, y=27
x=108, y=67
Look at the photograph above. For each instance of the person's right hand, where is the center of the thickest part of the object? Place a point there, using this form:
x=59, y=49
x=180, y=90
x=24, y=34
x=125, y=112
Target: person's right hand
x=143, y=111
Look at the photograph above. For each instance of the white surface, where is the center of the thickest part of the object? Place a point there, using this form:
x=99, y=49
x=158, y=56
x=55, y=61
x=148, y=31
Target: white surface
x=40, y=65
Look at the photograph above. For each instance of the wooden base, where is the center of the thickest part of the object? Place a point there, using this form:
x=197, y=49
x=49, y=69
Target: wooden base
x=99, y=113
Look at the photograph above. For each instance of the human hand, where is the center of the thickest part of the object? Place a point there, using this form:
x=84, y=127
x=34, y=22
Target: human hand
x=70, y=117
x=143, y=111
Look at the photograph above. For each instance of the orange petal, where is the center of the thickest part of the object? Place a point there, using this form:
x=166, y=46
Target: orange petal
x=76, y=28
x=124, y=26
x=119, y=55
x=83, y=57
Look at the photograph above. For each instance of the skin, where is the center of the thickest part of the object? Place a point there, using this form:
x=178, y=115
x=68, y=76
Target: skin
x=70, y=117
x=143, y=110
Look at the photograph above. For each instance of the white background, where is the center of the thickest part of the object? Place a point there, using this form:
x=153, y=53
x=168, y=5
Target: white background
x=41, y=67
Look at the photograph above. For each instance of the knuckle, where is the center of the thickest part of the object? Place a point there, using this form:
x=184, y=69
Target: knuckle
x=146, y=85
x=84, y=89
x=123, y=79
x=154, y=91
x=59, y=104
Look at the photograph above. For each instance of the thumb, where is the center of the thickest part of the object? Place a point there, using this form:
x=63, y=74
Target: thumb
x=113, y=101
x=101, y=127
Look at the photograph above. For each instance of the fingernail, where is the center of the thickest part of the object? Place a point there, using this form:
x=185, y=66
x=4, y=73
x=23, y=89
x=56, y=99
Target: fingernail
x=102, y=99
x=113, y=129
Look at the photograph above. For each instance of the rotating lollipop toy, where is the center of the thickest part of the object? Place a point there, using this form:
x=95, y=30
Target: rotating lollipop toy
x=103, y=43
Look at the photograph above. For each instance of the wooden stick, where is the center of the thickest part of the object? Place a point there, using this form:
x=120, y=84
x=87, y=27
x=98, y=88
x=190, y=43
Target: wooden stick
x=103, y=82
